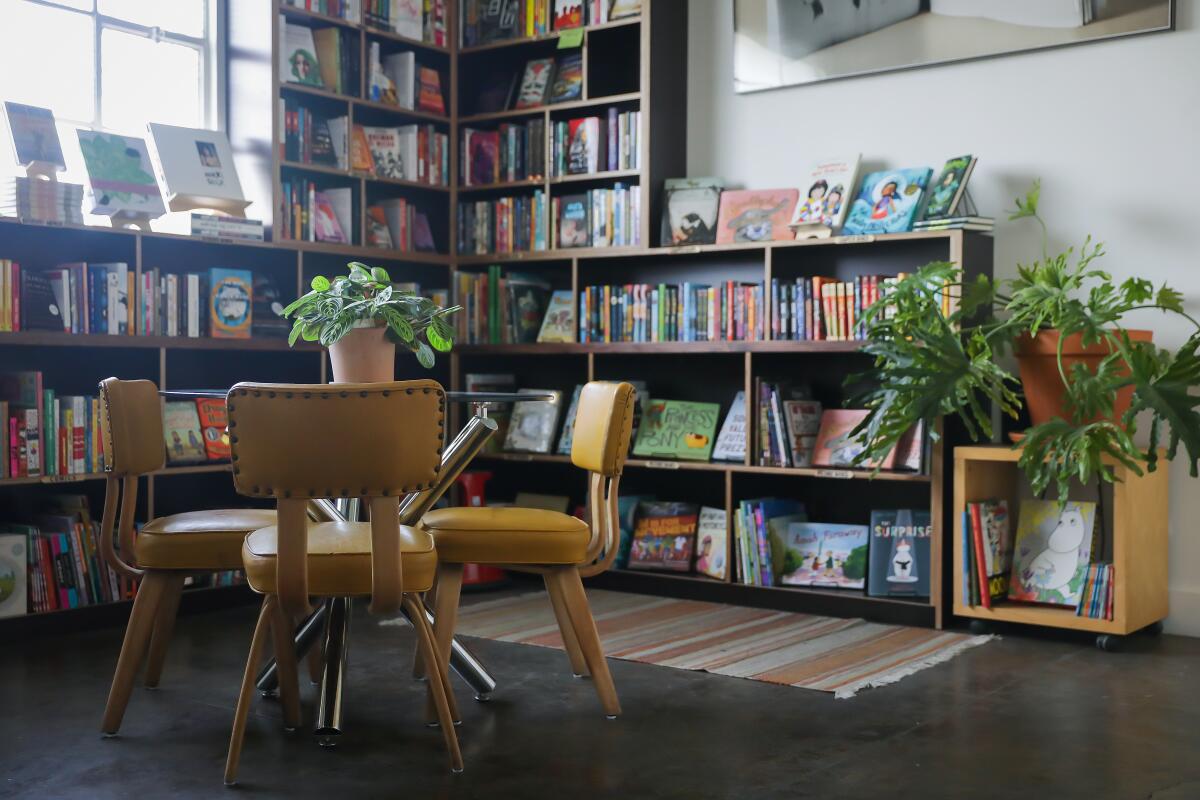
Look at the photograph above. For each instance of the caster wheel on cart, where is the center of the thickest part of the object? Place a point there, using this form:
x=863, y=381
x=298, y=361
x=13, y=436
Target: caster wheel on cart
x=1109, y=642
x=980, y=627
x=1153, y=629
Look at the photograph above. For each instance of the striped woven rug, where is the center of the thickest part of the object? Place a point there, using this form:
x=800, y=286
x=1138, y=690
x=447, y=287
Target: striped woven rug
x=823, y=653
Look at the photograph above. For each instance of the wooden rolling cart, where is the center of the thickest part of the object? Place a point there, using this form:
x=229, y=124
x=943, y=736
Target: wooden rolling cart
x=1134, y=529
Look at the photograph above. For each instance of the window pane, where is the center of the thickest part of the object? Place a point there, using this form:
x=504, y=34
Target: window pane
x=82, y=5
x=59, y=78
x=177, y=16
x=144, y=81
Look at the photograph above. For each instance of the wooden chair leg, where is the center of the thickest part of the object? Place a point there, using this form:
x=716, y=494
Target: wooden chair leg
x=568, y=582
x=164, y=623
x=570, y=641
x=285, y=658
x=418, y=670
x=445, y=616
x=247, y=691
x=438, y=681
x=133, y=649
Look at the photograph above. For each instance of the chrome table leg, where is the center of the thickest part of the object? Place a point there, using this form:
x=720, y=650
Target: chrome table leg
x=307, y=635
x=329, y=706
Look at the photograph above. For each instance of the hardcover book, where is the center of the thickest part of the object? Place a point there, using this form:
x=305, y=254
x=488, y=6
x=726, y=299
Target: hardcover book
x=214, y=421
x=899, y=553
x=568, y=14
x=826, y=554
x=298, y=56
x=34, y=136
x=14, y=565
x=536, y=83
x=755, y=215
x=568, y=79
x=1052, y=551
x=325, y=225
x=378, y=234
x=690, y=207
x=835, y=447
x=533, y=423
x=664, y=536
x=401, y=69
x=827, y=191
x=386, y=151
x=181, y=432
x=731, y=441
x=196, y=167
x=120, y=176
x=677, y=429
x=568, y=429
x=619, y=9
x=712, y=537
x=230, y=303
x=558, y=325
x=803, y=424
x=429, y=94
x=887, y=202
x=946, y=193
x=574, y=226
x=528, y=297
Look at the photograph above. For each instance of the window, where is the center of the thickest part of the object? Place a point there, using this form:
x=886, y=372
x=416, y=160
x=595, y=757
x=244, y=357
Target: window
x=112, y=65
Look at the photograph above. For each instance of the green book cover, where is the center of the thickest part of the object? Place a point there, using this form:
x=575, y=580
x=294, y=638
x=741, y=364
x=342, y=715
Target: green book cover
x=677, y=429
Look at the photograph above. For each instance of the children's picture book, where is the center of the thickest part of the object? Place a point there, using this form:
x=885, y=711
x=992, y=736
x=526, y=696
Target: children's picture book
x=1052, y=551
x=803, y=424
x=14, y=568
x=120, y=177
x=568, y=79
x=536, y=83
x=887, y=202
x=574, y=226
x=690, y=208
x=559, y=323
x=826, y=554
x=230, y=302
x=946, y=193
x=712, y=536
x=664, y=536
x=568, y=429
x=181, y=432
x=677, y=429
x=825, y=197
x=34, y=137
x=533, y=423
x=583, y=149
x=755, y=215
x=899, y=552
x=990, y=544
x=731, y=441
x=196, y=167
x=298, y=56
x=835, y=447
x=568, y=14
x=214, y=420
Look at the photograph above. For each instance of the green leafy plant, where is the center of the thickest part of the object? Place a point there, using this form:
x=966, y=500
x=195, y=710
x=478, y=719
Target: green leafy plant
x=365, y=298
x=928, y=364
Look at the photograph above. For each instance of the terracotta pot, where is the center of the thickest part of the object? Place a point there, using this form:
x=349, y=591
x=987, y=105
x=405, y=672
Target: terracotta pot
x=1038, y=364
x=363, y=355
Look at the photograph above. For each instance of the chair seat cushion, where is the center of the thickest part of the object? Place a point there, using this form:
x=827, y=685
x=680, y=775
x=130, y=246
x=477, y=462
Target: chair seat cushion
x=199, y=540
x=339, y=559
x=507, y=536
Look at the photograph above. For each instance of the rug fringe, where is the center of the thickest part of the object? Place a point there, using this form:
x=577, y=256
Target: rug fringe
x=940, y=657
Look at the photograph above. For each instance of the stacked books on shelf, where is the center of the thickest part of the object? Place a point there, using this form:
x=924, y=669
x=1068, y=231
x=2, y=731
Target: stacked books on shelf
x=1096, y=597
x=220, y=226
x=949, y=205
x=413, y=153
x=422, y=22
x=503, y=224
x=685, y=312
x=787, y=423
x=309, y=214
x=71, y=298
x=598, y=218
x=821, y=308
x=323, y=58
x=966, y=223
x=486, y=21
x=500, y=307
x=46, y=433
x=349, y=10
x=396, y=223
x=398, y=79
x=589, y=145
x=311, y=138
x=38, y=200
x=513, y=152
x=754, y=524
x=218, y=303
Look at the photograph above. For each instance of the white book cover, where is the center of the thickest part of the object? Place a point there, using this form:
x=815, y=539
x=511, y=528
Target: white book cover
x=402, y=69
x=712, y=533
x=532, y=424
x=410, y=160
x=826, y=193
x=196, y=165
x=731, y=441
x=120, y=178
x=407, y=19
x=342, y=201
x=339, y=136
x=298, y=55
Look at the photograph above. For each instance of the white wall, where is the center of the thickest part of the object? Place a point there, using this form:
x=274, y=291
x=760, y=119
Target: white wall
x=1112, y=128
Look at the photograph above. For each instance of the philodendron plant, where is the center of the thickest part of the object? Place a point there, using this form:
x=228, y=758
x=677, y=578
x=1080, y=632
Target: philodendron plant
x=366, y=298
x=928, y=365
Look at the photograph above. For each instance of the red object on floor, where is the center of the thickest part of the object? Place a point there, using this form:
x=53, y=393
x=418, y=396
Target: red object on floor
x=478, y=575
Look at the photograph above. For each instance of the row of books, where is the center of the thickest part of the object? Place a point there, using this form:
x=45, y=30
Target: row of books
x=485, y=21
x=424, y=21
x=595, y=144
x=63, y=566
x=503, y=225
x=40, y=200
x=822, y=308
x=598, y=218
x=312, y=215
x=398, y=79
x=513, y=152
x=396, y=223
x=73, y=298
x=500, y=307
x=1053, y=559
x=687, y=312
x=185, y=305
x=49, y=435
x=416, y=153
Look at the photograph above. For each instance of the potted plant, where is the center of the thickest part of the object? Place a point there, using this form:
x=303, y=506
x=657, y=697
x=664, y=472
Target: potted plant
x=361, y=318
x=1086, y=377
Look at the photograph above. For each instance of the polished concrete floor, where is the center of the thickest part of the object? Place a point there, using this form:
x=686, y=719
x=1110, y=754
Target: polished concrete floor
x=1028, y=717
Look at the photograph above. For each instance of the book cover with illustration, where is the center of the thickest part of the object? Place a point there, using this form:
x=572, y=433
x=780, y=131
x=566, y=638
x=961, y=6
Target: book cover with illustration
x=528, y=298
x=386, y=151
x=899, y=552
x=755, y=215
x=664, y=536
x=803, y=424
x=887, y=202
x=533, y=423
x=712, y=536
x=1052, y=551
x=120, y=177
x=568, y=79
x=567, y=438
x=378, y=234
x=835, y=447
x=34, y=136
x=14, y=566
x=535, y=83
x=731, y=441
x=214, y=419
x=181, y=432
x=690, y=208
x=826, y=554
x=677, y=429
x=568, y=14
x=827, y=190
x=574, y=227
x=947, y=191
x=298, y=56
x=230, y=302
x=559, y=323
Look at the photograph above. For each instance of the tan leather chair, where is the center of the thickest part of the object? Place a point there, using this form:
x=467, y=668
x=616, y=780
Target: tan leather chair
x=559, y=547
x=378, y=441
x=167, y=550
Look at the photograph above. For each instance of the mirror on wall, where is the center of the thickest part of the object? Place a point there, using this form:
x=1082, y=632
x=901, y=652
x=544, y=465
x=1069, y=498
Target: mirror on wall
x=789, y=42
